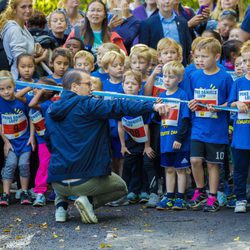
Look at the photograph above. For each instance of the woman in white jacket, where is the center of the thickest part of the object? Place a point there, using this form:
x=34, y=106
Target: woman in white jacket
x=16, y=38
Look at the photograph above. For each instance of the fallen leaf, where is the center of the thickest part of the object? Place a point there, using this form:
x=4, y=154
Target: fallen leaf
x=237, y=238
x=44, y=225
x=18, y=237
x=148, y=231
x=6, y=230
x=103, y=245
x=30, y=225
x=111, y=236
x=18, y=220
x=55, y=235
x=77, y=228
x=147, y=225
x=114, y=228
x=11, y=225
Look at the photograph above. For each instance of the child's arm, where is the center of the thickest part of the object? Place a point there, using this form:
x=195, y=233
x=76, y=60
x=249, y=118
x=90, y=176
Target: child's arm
x=34, y=103
x=32, y=140
x=121, y=133
x=20, y=95
x=148, y=88
x=182, y=134
x=147, y=148
x=242, y=107
x=7, y=144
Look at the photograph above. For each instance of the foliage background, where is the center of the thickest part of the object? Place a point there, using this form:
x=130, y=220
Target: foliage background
x=48, y=5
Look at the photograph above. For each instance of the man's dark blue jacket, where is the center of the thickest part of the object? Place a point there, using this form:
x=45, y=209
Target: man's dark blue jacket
x=151, y=32
x=77, y=133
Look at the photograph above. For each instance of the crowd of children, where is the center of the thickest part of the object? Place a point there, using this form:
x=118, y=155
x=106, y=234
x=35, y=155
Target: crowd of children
x=190, y=148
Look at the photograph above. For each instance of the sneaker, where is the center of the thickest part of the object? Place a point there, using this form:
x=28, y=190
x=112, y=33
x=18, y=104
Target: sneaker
x=241, y=206
x=72, y=198
x=61, y=214
x=212, y=204
x=18, y=194
x=143, y=197
x=179, y=204
x=4, y=200
x=165, y=204
x=51, y=196
x=198, y=200
x=231, y=201
x=222, y=199
x=132, y=198
x=26, y=198
x=86, y=210
x=153, y=201
x=120, y=202
x=40, y=201
x=32, y=193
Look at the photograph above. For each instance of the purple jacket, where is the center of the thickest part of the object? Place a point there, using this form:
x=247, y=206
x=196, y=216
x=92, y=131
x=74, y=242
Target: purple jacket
x=141, y=14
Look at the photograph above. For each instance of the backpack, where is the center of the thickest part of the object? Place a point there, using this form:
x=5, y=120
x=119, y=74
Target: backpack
x=46, y=41
x=4, y=62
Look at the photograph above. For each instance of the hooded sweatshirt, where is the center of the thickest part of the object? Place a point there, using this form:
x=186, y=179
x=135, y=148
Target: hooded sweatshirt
x=77, y=133
x=16, y=40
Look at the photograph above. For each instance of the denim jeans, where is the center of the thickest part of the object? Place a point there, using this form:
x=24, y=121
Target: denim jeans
x=241, y=166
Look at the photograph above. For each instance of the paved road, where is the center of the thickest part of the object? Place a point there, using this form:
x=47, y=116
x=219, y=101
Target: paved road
x=130, y=227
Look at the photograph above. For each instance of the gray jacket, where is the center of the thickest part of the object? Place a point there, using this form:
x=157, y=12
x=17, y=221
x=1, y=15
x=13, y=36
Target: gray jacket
x=16, y=40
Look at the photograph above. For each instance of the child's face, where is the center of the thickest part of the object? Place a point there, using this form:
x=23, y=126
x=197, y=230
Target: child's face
x=26, y=68
x=229, y=4
x=225, y=26
x=168, y=55
x=7, y=90
x=171, y=81
x=100, y=53
x=234, y=34
x=60, y=65
x=131, y=86
x=153, y=63
x=238, y=67
x=196, y=60
x=116, y=69
x=206, y=59
x=74, y=46
x=95, y=86
x=246, y=62
x=138, y=64
x=83, y=64
x=58, y=23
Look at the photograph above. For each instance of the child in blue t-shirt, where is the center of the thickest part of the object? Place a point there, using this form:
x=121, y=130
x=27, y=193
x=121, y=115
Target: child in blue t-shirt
x=113, y=65
x=135, y=147
x=174, y=139
x=60, y=62
x=17, y=137
x=240, y=98
x=209, y=137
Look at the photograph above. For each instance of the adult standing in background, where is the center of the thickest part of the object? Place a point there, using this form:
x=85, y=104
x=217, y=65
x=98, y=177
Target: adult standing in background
x=245, y=26
x=74, y=16
x=146, y=10
x=16, y=37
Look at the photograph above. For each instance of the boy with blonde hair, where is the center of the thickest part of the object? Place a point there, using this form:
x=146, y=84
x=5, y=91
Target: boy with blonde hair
x=210, y=86
x=84, y=61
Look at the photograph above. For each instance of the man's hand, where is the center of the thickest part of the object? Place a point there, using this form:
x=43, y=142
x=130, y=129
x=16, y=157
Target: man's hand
x=161, y=108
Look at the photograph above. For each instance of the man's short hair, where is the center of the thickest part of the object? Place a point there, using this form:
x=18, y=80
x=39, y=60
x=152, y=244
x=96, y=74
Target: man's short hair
x=72, y=76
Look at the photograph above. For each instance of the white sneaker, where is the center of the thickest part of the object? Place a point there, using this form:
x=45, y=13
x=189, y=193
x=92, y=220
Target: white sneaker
x=241, y=206
x=86, y=210
x=61, y=214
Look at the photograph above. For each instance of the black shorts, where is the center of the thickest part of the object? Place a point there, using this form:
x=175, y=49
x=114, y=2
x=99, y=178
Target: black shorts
x=211, y=152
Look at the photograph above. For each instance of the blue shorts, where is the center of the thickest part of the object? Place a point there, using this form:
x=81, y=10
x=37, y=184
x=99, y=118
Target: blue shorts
x=116, y=147
x=176, y=159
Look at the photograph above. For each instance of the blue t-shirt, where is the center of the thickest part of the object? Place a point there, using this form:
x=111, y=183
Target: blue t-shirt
x=241, y=135
x=211, y=89
x=15, y=124
x=38, y=119
x=170, y=125
x=246, y=22
x=141, y=92
x=103, y=76
x=57, y=80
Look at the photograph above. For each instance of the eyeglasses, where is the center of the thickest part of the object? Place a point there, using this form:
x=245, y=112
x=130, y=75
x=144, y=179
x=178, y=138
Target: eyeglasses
x=228, y=12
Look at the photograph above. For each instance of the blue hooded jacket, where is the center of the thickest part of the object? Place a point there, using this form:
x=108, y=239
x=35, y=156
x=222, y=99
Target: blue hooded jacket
x=77, y=133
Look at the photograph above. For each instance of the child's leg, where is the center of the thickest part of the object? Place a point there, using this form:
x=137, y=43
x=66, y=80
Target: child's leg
x=181, y=180
x=24, y=169
x=42, y=172
x=214, y=177
x=170, y=174
x=198, y=171
x=8, y=171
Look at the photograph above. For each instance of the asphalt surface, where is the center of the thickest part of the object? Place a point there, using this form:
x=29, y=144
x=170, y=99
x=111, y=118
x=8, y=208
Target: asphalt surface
x=129, y=227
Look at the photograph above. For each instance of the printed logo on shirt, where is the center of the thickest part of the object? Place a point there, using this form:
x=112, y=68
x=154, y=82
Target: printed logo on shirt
x=39, y=122
x=206, y=96
x=135, y=128
x=172, y=118
x=14, y=125
x=184, y=161
x=244, y=96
